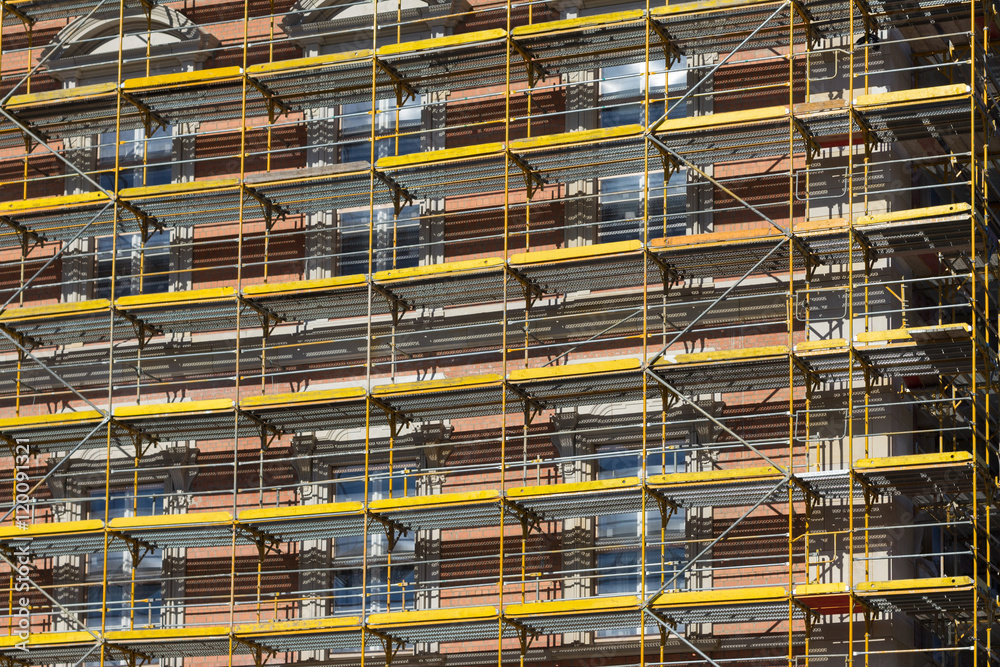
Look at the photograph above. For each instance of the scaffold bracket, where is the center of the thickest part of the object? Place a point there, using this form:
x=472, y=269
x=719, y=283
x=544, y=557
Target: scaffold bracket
x=399, y=193
x=274, y=103
x=29, y=238
x=271, y=211
x=149, y=117
x=535, y=71
x=404, y=91
x=532, y=181
x=671, y=53
x=14, y=11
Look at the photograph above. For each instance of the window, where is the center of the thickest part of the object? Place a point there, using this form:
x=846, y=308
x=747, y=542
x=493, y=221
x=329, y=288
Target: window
x=397, y=242
x=399, y=594
x=138, y=269
x=623, y=92
x=355, y=129
x=141, y=161
x=618, y=561
x=622, y=210
x=148, y=596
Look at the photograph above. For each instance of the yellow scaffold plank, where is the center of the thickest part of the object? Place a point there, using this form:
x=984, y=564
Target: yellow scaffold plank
x=581, y=23
x=168, y=634
x=720, y=597
x=912, y=95
x=444, y=155
x=443, y=43
x=182, y=79
x=312, y=62
x=432, y=616
x=317, y=396
x=59, y=95
x=47, y=639
x=176, y=298
x=593, y=486
x=915, y=585
x=438, y=500
x=55, y=310
x=300, y=511
x=913, y=334
x=169, y=189
x=170, y=521
x=56, y=202
x=913, y=460
x=437, y=270
x=580, y=137
x=573, y=606
x=814, y=345
x=721, y=119
x=914, y=214
x=51, y=529
x=572, y=254
x=805, y=590
x=168, y=409
x=298, y=627
x=297, y=286
x=725, y=355
x=444, y=384
x=574, y=370
x=45, y=421
x=712, y=476
x=708, y=6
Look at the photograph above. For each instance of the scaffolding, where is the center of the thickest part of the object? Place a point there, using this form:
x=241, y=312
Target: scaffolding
x=529, y=332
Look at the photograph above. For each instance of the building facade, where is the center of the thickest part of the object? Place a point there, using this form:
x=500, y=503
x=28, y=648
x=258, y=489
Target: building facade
x=455, y=332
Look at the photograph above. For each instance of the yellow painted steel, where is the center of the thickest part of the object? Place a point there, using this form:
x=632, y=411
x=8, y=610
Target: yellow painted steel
x=78, y=93
x=435, y=270
x=913, y=95
x=572, y=606
x=300, y=511
x=708, y=6
x=435, y=501
x=48, y=639
x=312, y=62
x=349, y=623
x=580, y=23
x=170, y=521
x=315, y=397
x=914, y=585
x=182, y=79
x=494, y=149
x=914, y=214
x=720, y=597
x=914, y=460
x=911, y=334
x=807, y=590
x=168, y=634
x=153, y=410
x=305, y=286
x=713, y=476
x=45, y=421
x=820, y=344
x=726, y=355
x=578, y=137
x=169, y=189
x=189, y=297
x=577, y=253
x=57, y=202
x=574, y=370
x=432, y=616
x=594, y=486
x=55, y=310
x=447, y=42
x=444, y=384
x=55, y=529
x=707, y=121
